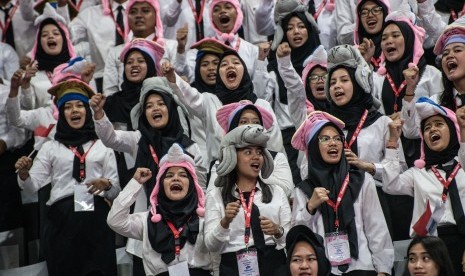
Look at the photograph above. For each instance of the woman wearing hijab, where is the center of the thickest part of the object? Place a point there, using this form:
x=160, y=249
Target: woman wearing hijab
x=425, y=182
x=52, y=48
x=246, y=219
x=233, y=84
x=177, y=208
x=340, y=202
x=82, y=171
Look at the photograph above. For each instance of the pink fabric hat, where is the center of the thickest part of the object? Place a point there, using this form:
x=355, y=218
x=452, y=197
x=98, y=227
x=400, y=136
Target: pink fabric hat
x=318, y=57
x=457, y=28
x=311, y=126
x=50, y=12
x=158, y=23
x=176, y=158
x=240, y=16
x=226, y=113
x=407, y=17
x=361, y=2
x=151, y=48
x=426, y=108
x=69, y=70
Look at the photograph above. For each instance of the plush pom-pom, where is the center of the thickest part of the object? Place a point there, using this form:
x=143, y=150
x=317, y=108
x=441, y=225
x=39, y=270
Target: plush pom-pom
x=382, y=70
x=412, y=65
x=330, y=7
x=156, y=218
x=419, y=163
x=200, y=212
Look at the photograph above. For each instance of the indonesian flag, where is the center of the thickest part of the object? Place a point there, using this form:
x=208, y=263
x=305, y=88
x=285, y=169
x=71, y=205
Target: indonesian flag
x=40, y=135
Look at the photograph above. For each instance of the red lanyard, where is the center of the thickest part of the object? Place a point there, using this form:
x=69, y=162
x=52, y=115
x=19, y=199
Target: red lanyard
x=357, y=130
x=396, y=90
x=238, y=44
x=76, y=7
x=154, y=155
x=454, y=14
x=375, y=62
x=444, y=182
x=8, y=21
x=335, y=206
x=118, y=29
x=320, y=9
x=197, y=17
x=248, y=214
x=82, y=160
x=176, y=233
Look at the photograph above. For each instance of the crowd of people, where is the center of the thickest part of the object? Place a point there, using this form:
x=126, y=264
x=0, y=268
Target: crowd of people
x=232, y=137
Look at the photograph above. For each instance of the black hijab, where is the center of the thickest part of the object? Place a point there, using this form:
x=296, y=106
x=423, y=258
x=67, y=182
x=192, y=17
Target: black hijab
x=48, y=62
x=182, y=213
x=322, y=105
x=69, y=136
x=243, y=92
x=299, y=54
x=331, y=177
x=119, y=105
x=198, y=83
x=395, y=69
x=160, y=139
x=352, y=112
x=446, y=6
x=376, y=38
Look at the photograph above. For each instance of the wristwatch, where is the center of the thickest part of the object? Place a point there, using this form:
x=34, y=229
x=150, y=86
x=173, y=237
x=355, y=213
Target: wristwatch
x=281, y=233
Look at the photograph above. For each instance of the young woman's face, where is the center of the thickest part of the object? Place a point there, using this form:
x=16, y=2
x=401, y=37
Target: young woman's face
x=316, y=82
x=224, y=17
x=341, y=89
x=420, y=262
x=208, y=65
x=453, y=61
x=392, y=43
x=135, y=67
x=303, y=260
x=231, y=71
x=176, y=183
x=297, y=33
x=330, y=145
x=371, y=17
x=142, y=19
x=51, y=40
x=436, y=133
x=249, y=117
x=250, y=161
x=156, y=111
x=75, y=114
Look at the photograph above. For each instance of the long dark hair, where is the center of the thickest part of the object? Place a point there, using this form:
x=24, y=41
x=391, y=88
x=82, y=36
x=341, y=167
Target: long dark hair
x=446, y=98
x=231, y=179
x=438, y=253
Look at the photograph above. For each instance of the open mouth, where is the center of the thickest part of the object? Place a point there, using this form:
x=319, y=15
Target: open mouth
x=372, y=23
x=255, y=166
x=297, y=39
x=338, y=94
x=451, y=65
x=224, y=19
x=157, y=116
x=75, y=118
x=135, y=71
x=211, y=76
x=320, y=89
x=176, y=187
x=434, y=137
x=51, y=44
x=390, y=50
x=333, y=152
x=231, y=76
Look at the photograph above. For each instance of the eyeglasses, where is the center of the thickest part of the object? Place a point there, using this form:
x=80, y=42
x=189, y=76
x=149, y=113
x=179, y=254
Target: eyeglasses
x=375, y=11
x=316, y=78
x=325, y=139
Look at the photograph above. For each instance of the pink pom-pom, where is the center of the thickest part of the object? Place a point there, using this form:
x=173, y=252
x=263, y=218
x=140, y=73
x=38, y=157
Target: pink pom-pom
x=200, y=211
x=330, y=7
x=419, y=163
x=382, y=70
x=412, y=65
x=224, y=36
x=156, y=218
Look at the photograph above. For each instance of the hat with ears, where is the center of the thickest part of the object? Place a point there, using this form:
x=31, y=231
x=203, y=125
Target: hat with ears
x=387, y=5
x=426, y=108
x=71, y=89
x=319, y=57
x=226, y=113
x=69, y=70
x=213, y=45
x=176, y=158
x=158, y=22
x=239, y=18
x=349, y=56
x=242, y=137
x=50, y=13
x=314, y=122
x=282, y=9
x=153, y=49
x=419, y=33
x=455, y=29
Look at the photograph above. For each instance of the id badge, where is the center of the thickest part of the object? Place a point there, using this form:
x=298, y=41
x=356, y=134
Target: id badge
x=247, y=262
x=83, y=200
x=337, y=248
x=179, y=269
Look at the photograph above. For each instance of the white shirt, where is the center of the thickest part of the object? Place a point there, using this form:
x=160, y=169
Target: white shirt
x=251, y=34
x=9, y=62
x=135, y=226
x=13, y=136
x=23, y=27
x=54, y=164
x=218, y=239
